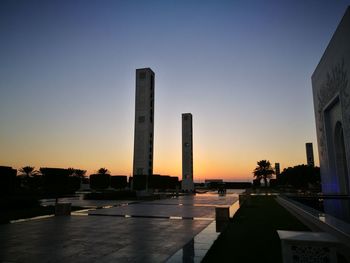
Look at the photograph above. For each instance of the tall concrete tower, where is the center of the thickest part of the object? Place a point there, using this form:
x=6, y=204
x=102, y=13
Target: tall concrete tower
x=277, y=169
x=309, y=154
x=187, y=153
x=144, y=127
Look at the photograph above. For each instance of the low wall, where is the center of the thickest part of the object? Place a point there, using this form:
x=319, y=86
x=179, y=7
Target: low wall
x=317, y=221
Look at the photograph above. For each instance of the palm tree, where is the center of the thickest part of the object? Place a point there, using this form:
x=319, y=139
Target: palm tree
x=71, y=171
x=27, y=174
x=103, y=171
x=28, y=171
x=80, y=173
x=263, y=170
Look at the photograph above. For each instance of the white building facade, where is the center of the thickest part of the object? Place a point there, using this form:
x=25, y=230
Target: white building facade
x=331, y=93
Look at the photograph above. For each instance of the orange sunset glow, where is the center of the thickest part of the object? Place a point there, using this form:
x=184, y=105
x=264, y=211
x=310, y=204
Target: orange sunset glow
x=249, y=93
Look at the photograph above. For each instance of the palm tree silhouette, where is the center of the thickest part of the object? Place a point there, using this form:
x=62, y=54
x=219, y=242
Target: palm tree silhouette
x=28, y=171
x=71, y=171
x=80, y=173
x=103, y=171
x=263, y=170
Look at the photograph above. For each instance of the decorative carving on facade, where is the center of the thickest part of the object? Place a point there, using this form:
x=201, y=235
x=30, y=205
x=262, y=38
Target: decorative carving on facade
x=304, y=253
x=336, y=82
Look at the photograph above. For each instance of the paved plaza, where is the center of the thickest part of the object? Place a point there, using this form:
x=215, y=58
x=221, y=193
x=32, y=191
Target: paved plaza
x=186, y=207
x=174, y=230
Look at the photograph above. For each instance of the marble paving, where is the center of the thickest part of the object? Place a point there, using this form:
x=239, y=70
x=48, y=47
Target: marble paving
x=149, y=235
x=187, y=207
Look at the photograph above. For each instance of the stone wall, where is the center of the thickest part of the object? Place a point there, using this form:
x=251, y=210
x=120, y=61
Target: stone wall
x=331, y=93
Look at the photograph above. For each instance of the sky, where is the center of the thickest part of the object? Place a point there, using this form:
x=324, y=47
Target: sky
x=241, y=67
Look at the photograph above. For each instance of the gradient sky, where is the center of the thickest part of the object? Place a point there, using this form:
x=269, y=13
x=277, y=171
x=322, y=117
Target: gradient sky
x=242, y=68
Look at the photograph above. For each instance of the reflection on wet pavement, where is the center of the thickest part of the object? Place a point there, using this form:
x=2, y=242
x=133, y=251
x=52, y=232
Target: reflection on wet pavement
x=175, y=230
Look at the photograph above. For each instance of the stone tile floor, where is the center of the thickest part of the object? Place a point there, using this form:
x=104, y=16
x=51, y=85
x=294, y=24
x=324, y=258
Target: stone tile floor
x=109, y=238
x=79, y=201
x=96, y=239
x=156, y=210
x=188, y=207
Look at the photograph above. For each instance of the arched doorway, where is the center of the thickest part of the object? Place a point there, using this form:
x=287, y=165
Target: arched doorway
x=340, y=158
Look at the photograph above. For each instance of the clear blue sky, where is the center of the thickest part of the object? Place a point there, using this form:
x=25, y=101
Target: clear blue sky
x=242, y=68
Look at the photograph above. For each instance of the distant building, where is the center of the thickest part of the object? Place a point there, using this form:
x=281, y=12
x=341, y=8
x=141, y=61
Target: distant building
x=119, y=181
x=213, y=181
x=277, y=169
x=187, y=153
x=58, y=181
x=144, y=127
x=331, y=94
x=100, y=181
x=164, y=182
x=309, y=154
x=7, y=180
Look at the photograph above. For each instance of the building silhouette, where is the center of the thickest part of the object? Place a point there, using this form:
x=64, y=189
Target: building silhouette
x=309, y=154
x=187, y=153
x=144, y=128
x=7, y=180
x=277, y=169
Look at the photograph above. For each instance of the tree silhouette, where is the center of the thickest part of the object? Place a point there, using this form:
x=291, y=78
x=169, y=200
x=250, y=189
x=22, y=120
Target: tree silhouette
x=300, y=176
x=263, y=170
x=101, y=180
x=28, y=171
x=27, y=179
x=76, y=176
x=103, y=171
x=77, y=172
x=80, y=173
x=71, y=171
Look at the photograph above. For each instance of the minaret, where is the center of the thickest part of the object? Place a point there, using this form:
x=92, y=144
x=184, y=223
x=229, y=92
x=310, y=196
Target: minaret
x=144, y=127
x=277, y=169
x=309, y=154
x=187, y=153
